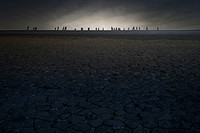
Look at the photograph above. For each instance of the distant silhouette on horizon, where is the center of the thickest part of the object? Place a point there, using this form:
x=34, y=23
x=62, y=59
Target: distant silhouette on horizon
x=65, y=28
x=35, y=28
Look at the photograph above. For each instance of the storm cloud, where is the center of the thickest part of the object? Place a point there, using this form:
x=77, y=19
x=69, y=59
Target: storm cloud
x=167, y=14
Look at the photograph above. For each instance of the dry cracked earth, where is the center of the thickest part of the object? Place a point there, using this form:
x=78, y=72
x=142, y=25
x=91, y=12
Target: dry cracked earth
x=100, y=83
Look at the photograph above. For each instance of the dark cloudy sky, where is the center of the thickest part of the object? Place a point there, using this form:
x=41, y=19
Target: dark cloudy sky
x=47, y=14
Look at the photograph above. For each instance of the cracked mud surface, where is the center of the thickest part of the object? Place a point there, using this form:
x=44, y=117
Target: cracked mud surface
x=96, y=84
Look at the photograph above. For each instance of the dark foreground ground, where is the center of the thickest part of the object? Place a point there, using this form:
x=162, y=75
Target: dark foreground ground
x=100, y=83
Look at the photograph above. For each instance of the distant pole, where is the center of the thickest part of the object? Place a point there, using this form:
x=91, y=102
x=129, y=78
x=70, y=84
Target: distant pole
x=34, y=28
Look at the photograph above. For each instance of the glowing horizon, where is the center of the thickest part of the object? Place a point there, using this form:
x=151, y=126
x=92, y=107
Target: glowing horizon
x=166, y=14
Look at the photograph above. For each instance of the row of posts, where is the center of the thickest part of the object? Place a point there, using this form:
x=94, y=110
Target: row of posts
x=97, y=29
x=112, y=28
x=29, y=28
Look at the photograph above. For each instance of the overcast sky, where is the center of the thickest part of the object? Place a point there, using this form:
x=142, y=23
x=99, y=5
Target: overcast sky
x=48, y=14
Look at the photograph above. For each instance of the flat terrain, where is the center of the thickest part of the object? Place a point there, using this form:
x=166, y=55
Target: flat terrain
x=100, y=83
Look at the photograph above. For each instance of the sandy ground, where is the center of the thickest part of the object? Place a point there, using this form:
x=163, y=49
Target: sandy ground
x=100, y=83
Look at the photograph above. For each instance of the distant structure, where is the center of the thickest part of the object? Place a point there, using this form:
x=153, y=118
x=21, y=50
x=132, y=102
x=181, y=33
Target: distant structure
x=64, y=28
x=27, y=28
x=34, y=28
x=111, y=28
